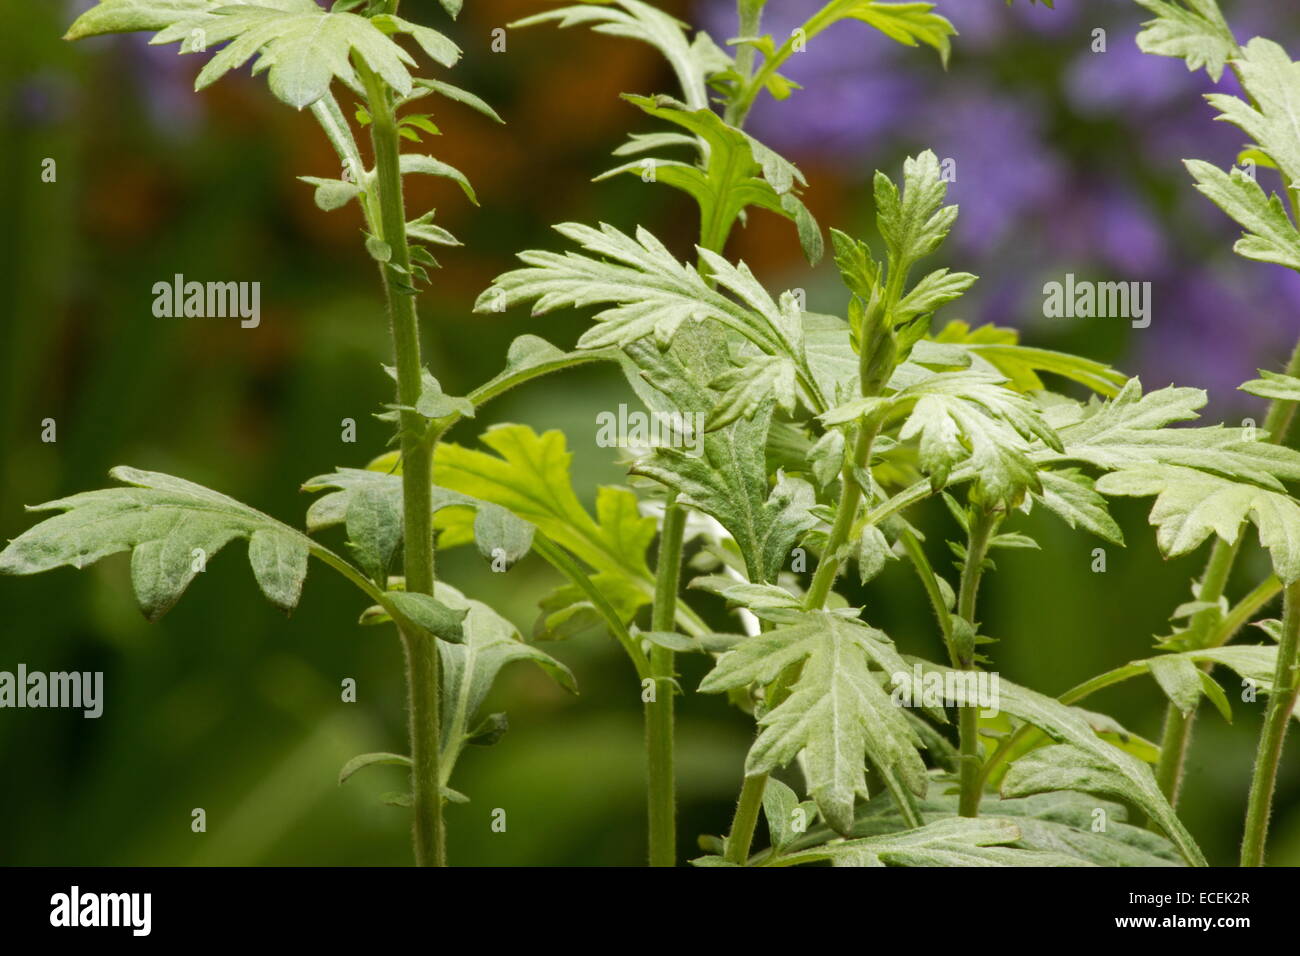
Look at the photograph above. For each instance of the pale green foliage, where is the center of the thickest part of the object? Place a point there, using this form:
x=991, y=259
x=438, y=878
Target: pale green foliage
x=1272, y=80
x=1272, y=385
x=374, y=526
x=729, y=481
x=369, y=503
x=1130, y=431
x=430, y=615
x=172, y=527
x=693, y=62
x=476, y=643
x=723, y=484
x=652, y=295
x=397, y=798
x=471, y=666
x=1184, y=683
x=908, y=23
x=886, y=321
x=332, y=194
x=1061, y=822
x=427, y=165
x=838, y=713
x=427, y=85
x=959, y=417
x=819, y=432
x=1083, y=761
x=1193, y=30
x=1191, y=505
x=747, y=387
x=530, y=357
x=531, y=480
x=362, y=761
x=999, y=350
x=301, y=46
x=1270, y=234
x=780, y=805
x=968, y=406
x=128, y=16
x=735, y=171
x=913, y=221
x=948, y=841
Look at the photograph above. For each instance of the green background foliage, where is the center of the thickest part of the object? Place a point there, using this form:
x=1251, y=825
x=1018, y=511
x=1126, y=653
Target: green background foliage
x=223, y=704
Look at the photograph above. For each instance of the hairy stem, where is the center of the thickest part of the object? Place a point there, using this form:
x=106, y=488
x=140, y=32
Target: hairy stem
x=559, y=559
x=423, y=672
x=1175, y=738
x=661, y=793
x=828, y=565
x=751, y=797
x=750, y=21
x=930, y=581
x=1177, y=735
x=1235, y=620
x=982, y=526
x=752, y=84
x=876, y=363
x=746, y=819
x=1286, y=684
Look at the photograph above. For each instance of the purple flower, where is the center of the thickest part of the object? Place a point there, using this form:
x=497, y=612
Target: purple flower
x=1125, y=80
x=1003, y=172
x=1110, y=225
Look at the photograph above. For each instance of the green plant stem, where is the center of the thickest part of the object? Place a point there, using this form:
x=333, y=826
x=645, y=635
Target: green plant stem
x=661, y=790
x=750, y=21
x=1177, y=735
x=1234, y=621
x=746, y=819
x=930, y=581
x=423, y=672
x=1175, y=738
x=559, y=559
x=828, y=566
x=983, y=524
x=1281, y=413
x=876, y=363
x=1286, y=684
x=752, y=85
x=335, y=126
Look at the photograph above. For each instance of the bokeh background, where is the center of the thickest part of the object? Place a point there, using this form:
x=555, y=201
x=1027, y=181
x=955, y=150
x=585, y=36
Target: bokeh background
x=1067, y=161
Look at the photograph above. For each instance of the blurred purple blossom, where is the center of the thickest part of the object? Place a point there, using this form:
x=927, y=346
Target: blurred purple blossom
x=1108, y=224
x=1196, y=336
x=1124, y=79
x=1076, y=167
x=1004, y=174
